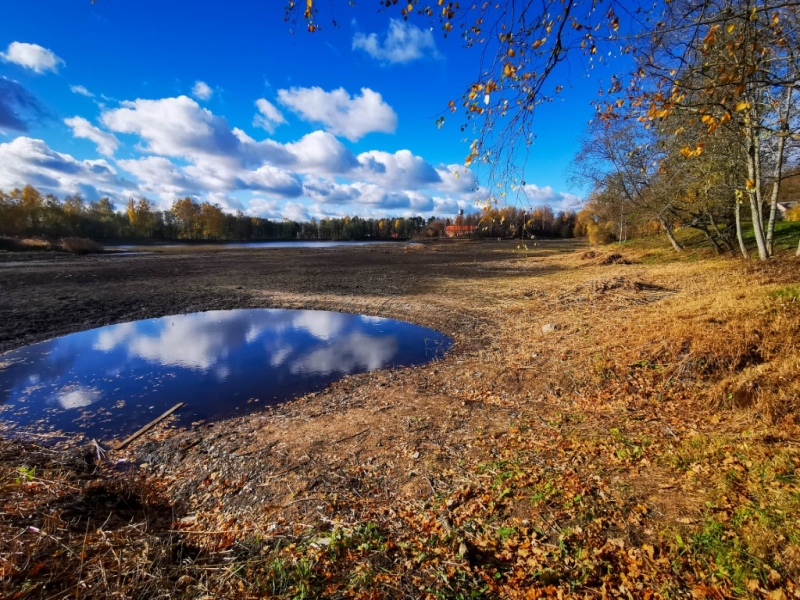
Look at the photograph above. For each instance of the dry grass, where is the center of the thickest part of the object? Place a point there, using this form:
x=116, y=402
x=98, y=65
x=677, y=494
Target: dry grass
x=645, y=444
x=75, y=245
x=72, y=245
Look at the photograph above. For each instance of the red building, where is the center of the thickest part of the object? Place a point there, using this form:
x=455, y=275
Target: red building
x=459, y=230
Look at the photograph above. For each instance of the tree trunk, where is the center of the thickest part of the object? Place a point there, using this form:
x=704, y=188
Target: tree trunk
x=778, y=170
x=738, y=213
x=724, y=239
x=709, y=237
x=753, y=164
x=671, y=236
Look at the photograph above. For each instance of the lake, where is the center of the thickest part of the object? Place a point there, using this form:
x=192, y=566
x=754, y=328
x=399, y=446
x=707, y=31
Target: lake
x=112, y=380
x=253, y=245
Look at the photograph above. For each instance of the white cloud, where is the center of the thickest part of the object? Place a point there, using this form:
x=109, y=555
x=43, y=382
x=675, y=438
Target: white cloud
x=446, y=206
x=402, y=169
x=272, y=180
x=558, y=201
x=323, y=325
x=225, y=202
x=186, y=150
x=81, y=128
x=179, y=127
x=31, y=56
x=158, y=175
x=79, y=89
x=379, y=197
x=294, y=211
x=267, y=209
x=455, y=179
x=320, y=152
x=202, y=91
x=356, y=351
x=78, y=397
x=329, y=192
x=351, y=117
x=269, y=116
x=26, y=160
x=404, y=43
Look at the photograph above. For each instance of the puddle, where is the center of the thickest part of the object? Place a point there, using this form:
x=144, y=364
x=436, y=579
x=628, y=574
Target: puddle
x=110, y=381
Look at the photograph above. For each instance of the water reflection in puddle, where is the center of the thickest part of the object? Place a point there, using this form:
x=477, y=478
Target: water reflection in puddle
x=110, y=381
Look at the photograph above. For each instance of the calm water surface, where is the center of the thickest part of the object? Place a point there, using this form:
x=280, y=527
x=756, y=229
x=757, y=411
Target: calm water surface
x=110, y=381
x=254, y=245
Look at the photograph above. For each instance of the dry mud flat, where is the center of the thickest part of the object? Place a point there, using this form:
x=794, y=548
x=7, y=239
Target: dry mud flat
x=576, y=428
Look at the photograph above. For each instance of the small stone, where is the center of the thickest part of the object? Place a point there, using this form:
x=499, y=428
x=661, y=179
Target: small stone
x=549, y=328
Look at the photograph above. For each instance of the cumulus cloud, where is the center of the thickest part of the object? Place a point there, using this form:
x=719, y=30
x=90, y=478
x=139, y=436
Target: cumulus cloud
x=404, y=43
x=350, y=117
x=107, y=144
x=80, y=90
x=558, y=201
x=329, y=192
x=26, y=160
x=455, y=179
x=269, y=116
x=226, y=202
x=189, y=151
x=202, y=91
x=364, y=196
x=265, y=208
x=31, y=56
x=294, y=211
x=272, y=180
x=176, y=127
x=181, y=128
x=17, y=106
x=158, y=175
x=356, y=351
x=78, y=397
x=320, y=152
x=402, y=169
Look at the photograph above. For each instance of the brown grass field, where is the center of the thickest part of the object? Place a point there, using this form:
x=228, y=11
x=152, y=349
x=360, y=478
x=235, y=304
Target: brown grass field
x=611, y=423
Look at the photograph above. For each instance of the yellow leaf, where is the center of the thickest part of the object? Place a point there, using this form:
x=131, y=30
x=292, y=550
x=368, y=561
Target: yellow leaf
x=731, y=27
x=742, y=106
x=749, y=184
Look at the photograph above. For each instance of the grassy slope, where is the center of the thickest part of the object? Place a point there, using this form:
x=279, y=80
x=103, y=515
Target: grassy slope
x=648, y=447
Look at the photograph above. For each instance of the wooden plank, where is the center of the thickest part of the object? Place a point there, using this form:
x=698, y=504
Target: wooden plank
x=147, y=427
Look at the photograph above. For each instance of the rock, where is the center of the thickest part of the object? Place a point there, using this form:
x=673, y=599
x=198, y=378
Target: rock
x=549, y=328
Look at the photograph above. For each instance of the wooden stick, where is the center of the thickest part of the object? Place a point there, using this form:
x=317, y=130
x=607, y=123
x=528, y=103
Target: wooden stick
x=349, y=437
x=147, y=427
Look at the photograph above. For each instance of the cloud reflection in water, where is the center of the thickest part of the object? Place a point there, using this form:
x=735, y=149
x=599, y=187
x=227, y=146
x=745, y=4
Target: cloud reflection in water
x=219, y=363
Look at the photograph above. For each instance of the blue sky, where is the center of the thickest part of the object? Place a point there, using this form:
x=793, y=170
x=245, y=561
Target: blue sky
x=222, y=102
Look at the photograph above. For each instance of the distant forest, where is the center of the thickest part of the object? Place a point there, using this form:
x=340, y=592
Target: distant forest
x=27, y=212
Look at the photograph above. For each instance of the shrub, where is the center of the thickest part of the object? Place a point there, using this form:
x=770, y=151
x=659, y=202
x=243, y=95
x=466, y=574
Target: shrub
x=793, y=214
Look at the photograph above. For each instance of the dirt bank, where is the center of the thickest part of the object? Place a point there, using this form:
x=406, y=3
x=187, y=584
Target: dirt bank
x=563, y=443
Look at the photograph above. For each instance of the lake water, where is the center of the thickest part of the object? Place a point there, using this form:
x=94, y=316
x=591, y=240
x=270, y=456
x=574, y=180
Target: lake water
x=253, y=245
x=110, y=381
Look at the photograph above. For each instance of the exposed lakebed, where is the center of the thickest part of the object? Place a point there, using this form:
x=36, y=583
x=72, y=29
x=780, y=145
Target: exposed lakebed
x=110, y=381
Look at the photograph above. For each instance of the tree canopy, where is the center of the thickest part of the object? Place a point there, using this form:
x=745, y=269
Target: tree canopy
x=706, y=90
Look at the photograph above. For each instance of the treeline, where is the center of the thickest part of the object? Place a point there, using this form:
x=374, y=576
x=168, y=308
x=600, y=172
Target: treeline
x=512, y=222
x=27, y=212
